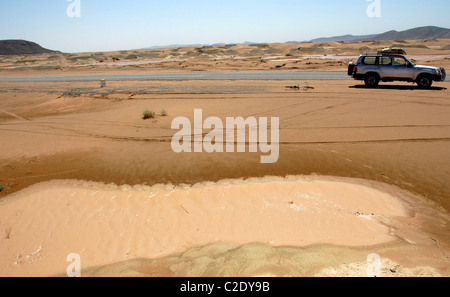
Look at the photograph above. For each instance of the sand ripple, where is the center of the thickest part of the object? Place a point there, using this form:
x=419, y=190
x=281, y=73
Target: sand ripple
x=110, y=223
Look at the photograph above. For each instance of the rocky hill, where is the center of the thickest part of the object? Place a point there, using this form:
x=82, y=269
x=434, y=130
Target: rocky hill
x=21, y=47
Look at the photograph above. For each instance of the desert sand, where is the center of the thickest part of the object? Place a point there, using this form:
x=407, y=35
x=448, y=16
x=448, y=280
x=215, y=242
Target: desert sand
x=108, y=223
x=361, y=171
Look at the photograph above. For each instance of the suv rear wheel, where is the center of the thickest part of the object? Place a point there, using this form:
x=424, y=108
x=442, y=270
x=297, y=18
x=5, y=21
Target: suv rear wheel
x=424, y=81
x=372, y=80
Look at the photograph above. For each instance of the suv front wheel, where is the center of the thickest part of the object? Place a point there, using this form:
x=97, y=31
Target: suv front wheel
x=372, y=80
x=424, y=81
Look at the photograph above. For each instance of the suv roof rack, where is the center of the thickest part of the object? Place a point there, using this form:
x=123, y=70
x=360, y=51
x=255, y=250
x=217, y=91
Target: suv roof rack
x=392, y=51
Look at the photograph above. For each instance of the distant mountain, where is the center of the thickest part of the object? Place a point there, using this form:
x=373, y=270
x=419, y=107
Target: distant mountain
x=429, y=32
x=22, y=47
x=416, y=33
x=344, y=38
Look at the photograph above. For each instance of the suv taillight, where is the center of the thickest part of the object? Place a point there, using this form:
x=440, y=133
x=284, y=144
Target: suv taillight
x=356, y=69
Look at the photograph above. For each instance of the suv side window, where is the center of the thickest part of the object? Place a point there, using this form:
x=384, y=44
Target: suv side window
x=399, y=61
x=385, y=61
x=369, y=60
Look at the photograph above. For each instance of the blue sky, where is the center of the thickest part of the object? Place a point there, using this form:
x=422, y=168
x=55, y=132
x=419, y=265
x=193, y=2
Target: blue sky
x=118, y=25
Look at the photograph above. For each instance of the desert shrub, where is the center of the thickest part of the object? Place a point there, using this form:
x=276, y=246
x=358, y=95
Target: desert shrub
x=214, y=51
x=260, y=45
x=131, y=57
x=308, y=49
x=163, y=113
x=54, y=57
x=76, y=58
x=273, y=51
x=27, y=61
x=321, y=45
x=1, y=188
x=148, y=114
x=256, y=52
x=150, y=55
x=98, y=59
x=192, y=54
x=72, y=93
x=227, y=46
x=231, y=52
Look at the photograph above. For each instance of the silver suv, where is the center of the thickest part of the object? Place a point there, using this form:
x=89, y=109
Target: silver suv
x=391, y=65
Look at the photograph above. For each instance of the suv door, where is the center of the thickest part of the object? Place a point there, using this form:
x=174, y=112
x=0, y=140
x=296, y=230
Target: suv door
x=385, y=68
x=402, y=68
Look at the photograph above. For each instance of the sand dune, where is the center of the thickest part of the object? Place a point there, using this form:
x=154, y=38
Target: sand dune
x=300, y=56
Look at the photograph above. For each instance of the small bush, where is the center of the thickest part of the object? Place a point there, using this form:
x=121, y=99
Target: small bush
x=1, y=188
x=163, y=113
x=72, y=93
x=148, y=114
